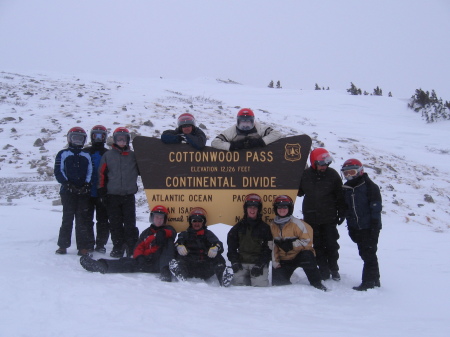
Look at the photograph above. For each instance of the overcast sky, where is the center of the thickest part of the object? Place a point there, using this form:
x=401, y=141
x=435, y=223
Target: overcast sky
x=399, y=45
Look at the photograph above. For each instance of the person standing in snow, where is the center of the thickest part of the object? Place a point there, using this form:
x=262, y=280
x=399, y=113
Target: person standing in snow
x=187, y=132
x=117, y=186
x=323, y=209
x=199, y=252
x=246, y=134
x=248, y=246
x=96, y=150
x=363, y=199
x=154, y=250
x=73, y=170
x=293, y=245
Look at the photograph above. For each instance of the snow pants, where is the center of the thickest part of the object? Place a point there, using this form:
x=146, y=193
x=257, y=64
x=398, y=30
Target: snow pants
x=202, y=269
x=367, y=241
x=122, y=220
x=143, y=264
x=326, y=245
x=75, y=206
x=244, y=278
x=101, y=216
x=306, y=260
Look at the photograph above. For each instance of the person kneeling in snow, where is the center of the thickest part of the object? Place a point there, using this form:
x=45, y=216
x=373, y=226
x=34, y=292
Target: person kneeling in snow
x=154, y=250
x=199, y=252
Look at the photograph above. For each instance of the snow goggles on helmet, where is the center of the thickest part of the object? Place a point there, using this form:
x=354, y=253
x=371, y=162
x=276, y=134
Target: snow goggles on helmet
x=282, y=206
x=196, y=218
x=121, y=138
x=351, y=171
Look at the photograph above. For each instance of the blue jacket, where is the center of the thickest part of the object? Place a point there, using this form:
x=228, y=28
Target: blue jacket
x=96, y=153
x=363, y=200
x=74, y=166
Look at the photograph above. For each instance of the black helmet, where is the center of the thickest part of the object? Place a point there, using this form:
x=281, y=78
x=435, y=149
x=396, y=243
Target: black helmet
x=98, y=134
x=283, y=200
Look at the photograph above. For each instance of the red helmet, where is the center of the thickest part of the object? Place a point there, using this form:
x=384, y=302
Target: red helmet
x=197, y=213
x=253, y=199
x=99, y=134
x=321, y=157
x=76, y=137
x=352, y=169
x=159, y=209
x=186, y=119
x=121, y=131
x=283, y=200
x=245, y=115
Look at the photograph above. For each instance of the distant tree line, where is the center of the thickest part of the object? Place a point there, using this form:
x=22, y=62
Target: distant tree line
x=430, y=106
x=317, y=87
x=353, y=90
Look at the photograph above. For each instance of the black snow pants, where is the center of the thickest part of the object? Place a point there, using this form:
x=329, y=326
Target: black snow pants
x=306, y=260
x=101, y=216
x=367, y=241
x=122, y=220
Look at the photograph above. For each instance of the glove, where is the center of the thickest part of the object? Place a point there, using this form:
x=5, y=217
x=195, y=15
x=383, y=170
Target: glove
x=257, y=270
x=251, y=142
x=340, y=220
x=236, y=267
x=182, y=250
x=212, y=252
x=297, y=243
x=71, y=188
x=101, y=192
x=182, y=137
x=237, y=145
x=85, y=189
x=160, y=237
x=285, y=244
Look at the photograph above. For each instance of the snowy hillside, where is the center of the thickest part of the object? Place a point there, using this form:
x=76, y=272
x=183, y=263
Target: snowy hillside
x=47, y=295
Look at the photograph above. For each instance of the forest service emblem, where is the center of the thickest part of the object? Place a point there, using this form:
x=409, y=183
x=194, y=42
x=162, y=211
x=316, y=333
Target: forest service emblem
x=292, y=152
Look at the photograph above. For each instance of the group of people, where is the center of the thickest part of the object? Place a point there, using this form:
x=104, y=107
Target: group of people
x=95, y=179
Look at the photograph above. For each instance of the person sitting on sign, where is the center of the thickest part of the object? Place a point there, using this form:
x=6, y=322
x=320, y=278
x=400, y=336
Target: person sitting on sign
x=154, y=250
x=199, y=252
x=246, y=134
x=248, y=246
x=186, y=132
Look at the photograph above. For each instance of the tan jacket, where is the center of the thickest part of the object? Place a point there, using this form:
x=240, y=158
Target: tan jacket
x=294, y=229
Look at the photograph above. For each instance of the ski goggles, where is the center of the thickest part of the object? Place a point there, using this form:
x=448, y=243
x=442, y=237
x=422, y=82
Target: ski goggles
x=350, y=173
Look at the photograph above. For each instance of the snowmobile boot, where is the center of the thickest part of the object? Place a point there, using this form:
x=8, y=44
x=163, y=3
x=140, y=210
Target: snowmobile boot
x=365, y=285
x=61, y=251
x=166, y=275
x=227, y=277
x=117, y=252
x=100, y=249
x=92, y=265
x=335, y=275
x=83, y=252
x=319, y=285
x=176, y=271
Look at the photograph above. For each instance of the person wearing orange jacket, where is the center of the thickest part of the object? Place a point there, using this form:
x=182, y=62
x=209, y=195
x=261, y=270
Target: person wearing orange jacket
x=154, y=250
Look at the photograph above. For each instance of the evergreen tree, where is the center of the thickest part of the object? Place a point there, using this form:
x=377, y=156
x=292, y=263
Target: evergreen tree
x=390, y=94
x=317, y=87
x=279, y=85
x=270, y=84
x=377, y=91
x=353, y=90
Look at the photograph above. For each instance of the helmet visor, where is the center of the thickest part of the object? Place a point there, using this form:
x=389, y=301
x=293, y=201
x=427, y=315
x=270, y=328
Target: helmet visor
x=98, y=137
x=324, y=160
x=77, y=139
x=245, y=123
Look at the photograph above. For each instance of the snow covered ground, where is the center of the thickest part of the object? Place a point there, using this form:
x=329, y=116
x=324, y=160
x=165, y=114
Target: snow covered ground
x=43, y=294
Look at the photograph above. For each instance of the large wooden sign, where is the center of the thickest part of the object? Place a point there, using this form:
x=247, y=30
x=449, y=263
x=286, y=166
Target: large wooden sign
x=180, y=177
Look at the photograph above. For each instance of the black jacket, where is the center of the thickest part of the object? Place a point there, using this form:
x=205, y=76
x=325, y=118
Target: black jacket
x=198, y=243
x=197, y=138
x=323, y=202
x=248, y=242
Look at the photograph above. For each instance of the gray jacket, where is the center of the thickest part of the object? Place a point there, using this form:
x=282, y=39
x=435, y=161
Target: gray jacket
x=118, y=172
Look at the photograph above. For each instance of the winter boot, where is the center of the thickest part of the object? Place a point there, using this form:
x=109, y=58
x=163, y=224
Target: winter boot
x=100, y=249
x=227, y=276
x=61, y=251
x=83, y=252
x=176, y=271
x=335, y=275
x=319, y=285
x=165, y=276
x=90, y=264
x=367, y=285
x=117, y=252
